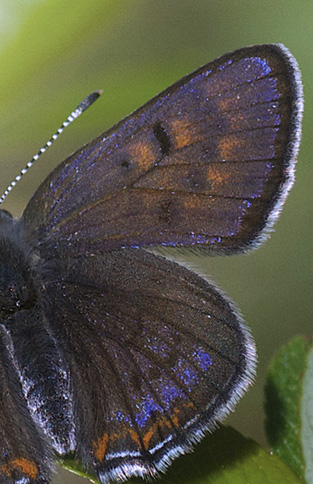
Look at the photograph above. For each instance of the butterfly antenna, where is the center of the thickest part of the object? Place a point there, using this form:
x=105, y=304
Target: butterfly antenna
x=88, y=101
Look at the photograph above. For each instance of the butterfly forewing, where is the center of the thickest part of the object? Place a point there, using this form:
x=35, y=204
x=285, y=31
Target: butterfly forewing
x=205, y=163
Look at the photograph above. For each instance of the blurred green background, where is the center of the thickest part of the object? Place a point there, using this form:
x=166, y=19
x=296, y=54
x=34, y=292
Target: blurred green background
x=53, y=53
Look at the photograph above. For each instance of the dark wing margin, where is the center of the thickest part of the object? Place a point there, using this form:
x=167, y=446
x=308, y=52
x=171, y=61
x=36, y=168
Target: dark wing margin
x=208, y=163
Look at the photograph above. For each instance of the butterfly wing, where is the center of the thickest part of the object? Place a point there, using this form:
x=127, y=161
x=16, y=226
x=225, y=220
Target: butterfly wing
x=25, y=456
x=208, y=162
x=156, y=355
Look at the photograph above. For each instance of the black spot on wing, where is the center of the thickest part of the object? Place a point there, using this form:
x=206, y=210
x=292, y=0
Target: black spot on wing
x=163, y=138
x=125, y=163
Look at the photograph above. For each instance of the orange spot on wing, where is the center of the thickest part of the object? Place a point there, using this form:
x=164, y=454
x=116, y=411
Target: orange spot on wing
x=175, y=421
x=225, y=104
x=101, y=444
x=143, y=153
x=216, y=175
x=193, y=202
x=164, y=422
x=183, y=133
x=27, y=467
x=229, y=147
x=135, y=437
x=100, y=447
x=230, y=104
x=148, y=435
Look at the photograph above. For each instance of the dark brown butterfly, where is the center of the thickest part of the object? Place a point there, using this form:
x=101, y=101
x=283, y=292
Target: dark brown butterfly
x=111, y=352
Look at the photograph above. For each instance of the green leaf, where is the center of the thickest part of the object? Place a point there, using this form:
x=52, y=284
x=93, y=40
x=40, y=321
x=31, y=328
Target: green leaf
x=289, y=402
x=307, y=417
x=226, y=457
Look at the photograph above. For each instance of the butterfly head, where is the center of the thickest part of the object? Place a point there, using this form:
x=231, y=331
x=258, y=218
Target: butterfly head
x=17, y=287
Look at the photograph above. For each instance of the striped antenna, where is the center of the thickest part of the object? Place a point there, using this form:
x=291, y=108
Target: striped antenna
x=88, y=101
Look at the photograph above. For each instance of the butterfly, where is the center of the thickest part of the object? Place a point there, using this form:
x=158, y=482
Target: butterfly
x=113, y=353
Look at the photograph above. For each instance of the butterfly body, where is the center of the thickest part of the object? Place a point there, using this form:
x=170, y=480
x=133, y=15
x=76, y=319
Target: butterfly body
x=108, y=351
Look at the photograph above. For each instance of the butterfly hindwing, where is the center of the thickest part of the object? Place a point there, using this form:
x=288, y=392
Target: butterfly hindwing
x=146, y=342
x=25, y=455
